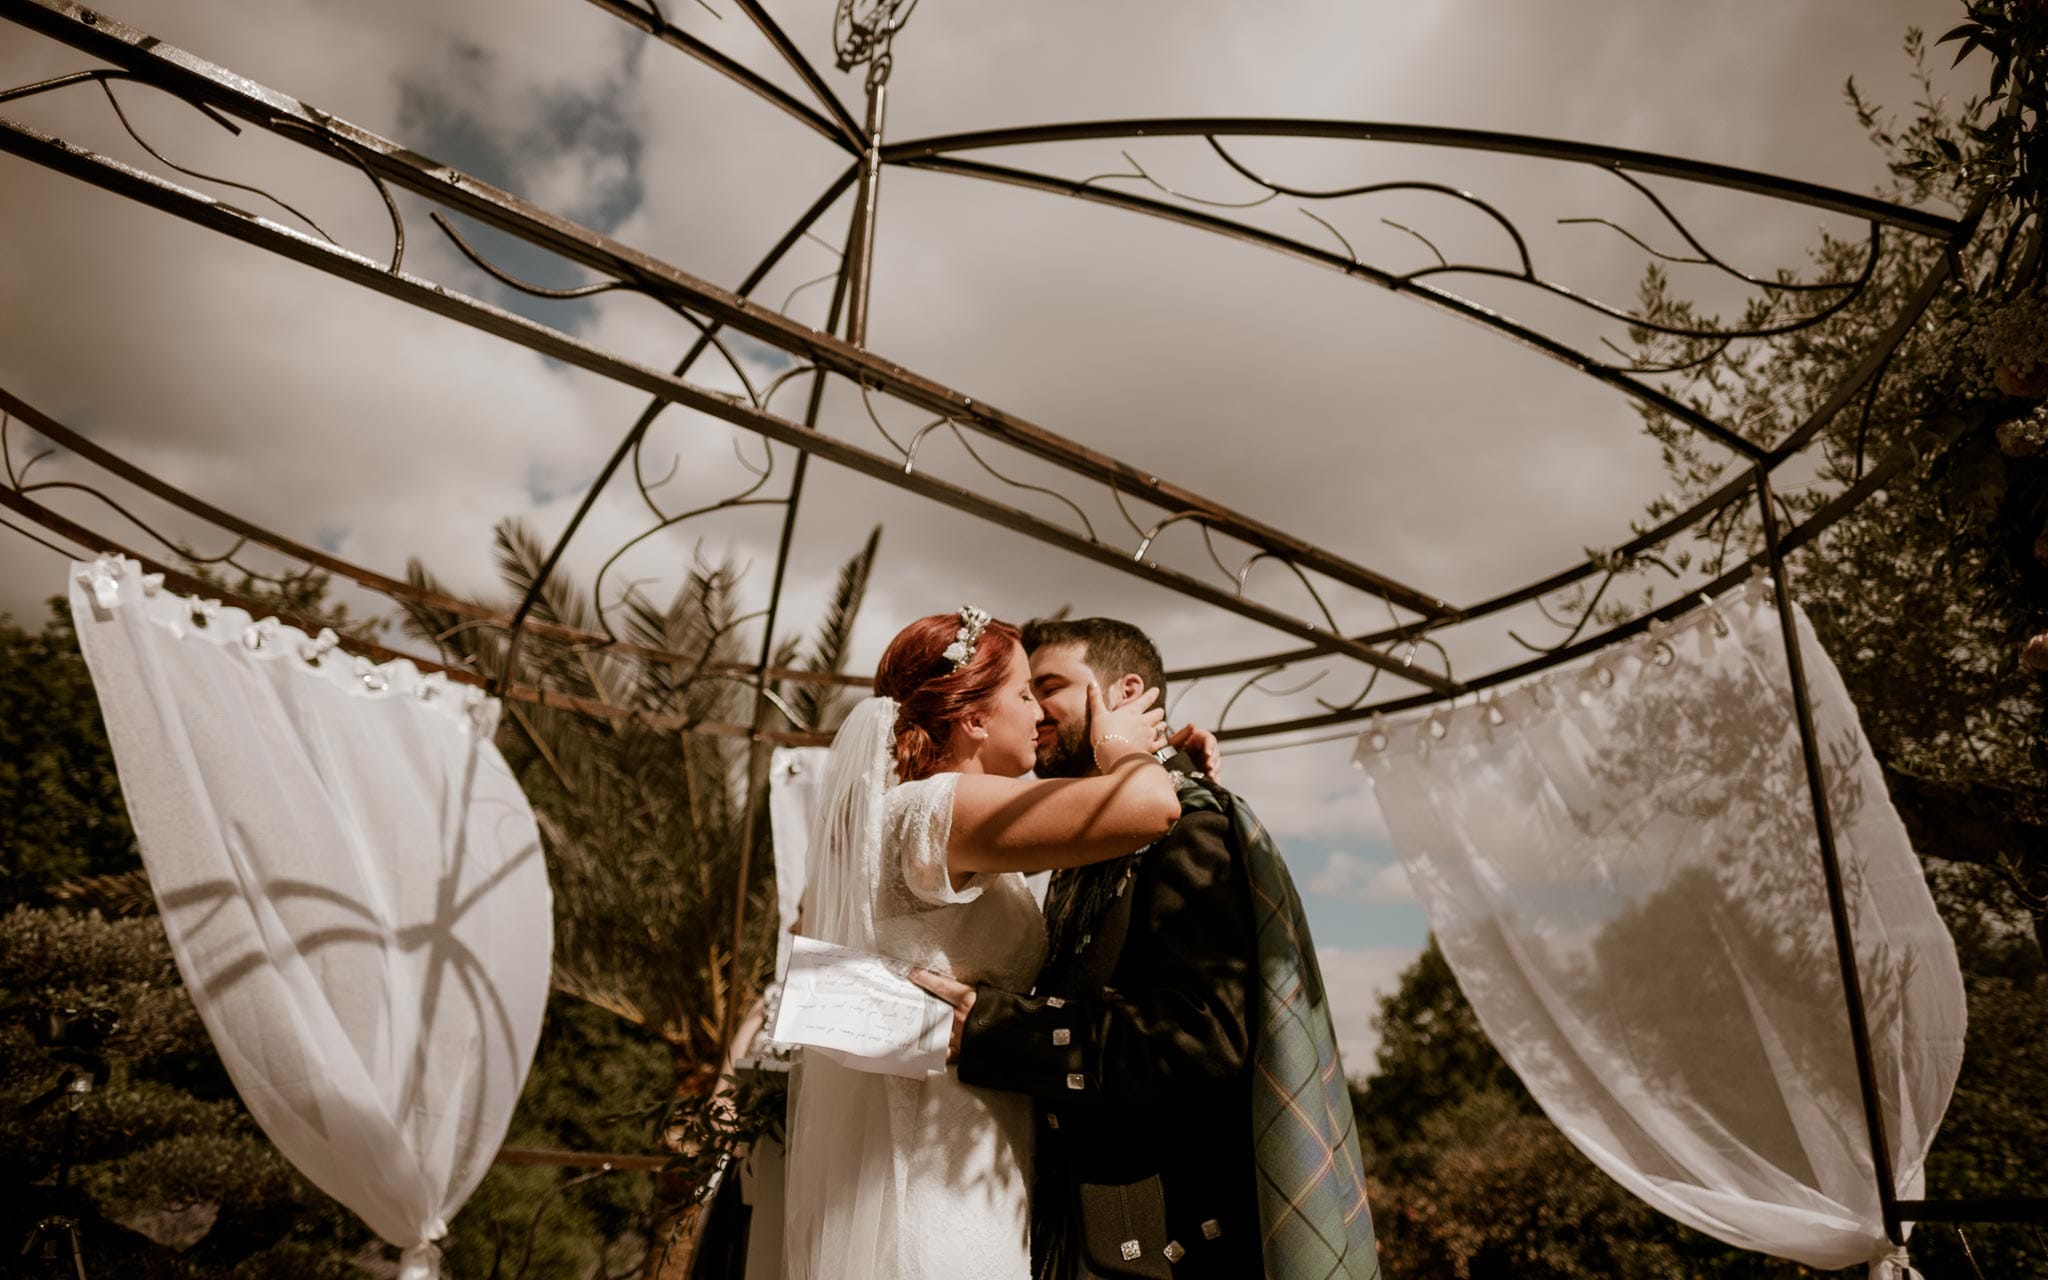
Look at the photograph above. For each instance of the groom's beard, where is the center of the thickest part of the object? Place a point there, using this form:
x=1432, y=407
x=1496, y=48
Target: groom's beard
x=1069, y=755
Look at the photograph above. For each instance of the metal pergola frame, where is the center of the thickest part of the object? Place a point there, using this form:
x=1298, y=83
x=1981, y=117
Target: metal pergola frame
x=823, y=355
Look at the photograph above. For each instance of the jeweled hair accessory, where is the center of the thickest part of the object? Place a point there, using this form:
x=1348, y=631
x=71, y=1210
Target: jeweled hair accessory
x=972, y=623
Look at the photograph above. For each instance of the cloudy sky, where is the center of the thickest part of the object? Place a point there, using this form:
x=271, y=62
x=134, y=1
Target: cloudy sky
x=1397, y=436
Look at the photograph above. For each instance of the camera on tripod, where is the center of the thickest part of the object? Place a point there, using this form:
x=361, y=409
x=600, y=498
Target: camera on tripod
x=74, y=1036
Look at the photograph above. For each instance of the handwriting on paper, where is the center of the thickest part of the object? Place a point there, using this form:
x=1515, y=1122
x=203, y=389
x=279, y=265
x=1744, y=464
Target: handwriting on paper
x=862, y=1010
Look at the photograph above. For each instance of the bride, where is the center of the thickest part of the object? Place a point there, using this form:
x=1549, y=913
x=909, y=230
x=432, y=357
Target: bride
x=924, y=835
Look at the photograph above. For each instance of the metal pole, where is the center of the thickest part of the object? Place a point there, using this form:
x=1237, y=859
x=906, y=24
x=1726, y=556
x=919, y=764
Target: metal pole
x=861, y=243
x=640, y=427
x=1831, y=869
x=855, y=271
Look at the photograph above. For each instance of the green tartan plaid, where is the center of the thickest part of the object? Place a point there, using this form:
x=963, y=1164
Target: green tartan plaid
x=1312, y=1209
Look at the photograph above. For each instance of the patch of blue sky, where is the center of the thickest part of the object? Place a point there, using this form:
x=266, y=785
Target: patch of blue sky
x=1343, y=920
x=454, y=136
x=755, y=352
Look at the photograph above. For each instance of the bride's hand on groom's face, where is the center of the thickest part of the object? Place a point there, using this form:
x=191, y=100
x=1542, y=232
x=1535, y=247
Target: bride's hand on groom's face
x=1131, y=726
x=953, y=992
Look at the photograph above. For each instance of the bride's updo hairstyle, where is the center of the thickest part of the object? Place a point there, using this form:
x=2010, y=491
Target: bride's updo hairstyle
x=931, y=696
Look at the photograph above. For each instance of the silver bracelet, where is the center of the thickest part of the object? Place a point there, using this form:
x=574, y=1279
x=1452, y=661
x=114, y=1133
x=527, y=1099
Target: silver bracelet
x=1096, y=746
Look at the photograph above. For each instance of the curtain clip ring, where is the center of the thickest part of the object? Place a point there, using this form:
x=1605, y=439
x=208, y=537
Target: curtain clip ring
x=315, y=649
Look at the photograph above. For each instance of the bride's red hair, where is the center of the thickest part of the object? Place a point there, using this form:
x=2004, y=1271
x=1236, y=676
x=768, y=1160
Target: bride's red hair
x=932, y=697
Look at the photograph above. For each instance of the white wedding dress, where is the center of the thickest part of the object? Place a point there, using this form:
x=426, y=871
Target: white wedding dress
x=895, y=1179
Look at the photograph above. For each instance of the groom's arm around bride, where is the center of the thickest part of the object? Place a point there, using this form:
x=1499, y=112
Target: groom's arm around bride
x=1135, y=1045
x=1136, y=1041
x=1193, y=1119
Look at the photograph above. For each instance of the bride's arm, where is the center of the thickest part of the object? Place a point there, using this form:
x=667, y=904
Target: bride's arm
x=1018, y=824
x=1022, y=824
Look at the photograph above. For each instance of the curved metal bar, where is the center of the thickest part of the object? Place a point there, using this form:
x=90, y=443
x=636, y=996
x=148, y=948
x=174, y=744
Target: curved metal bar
x=180, y=581
x=1375, y=188
x=1709, y=257
x=867, y=402
x=327, y=142
x=41, y=541
x=1793, y=539
x=1683, y=366
x=1209, y=542
x=1649, y=248
x=745, y=498
x=1306, y=585
x=1592, y=607
x=848, y=127
x=182, y=550
x=1945, y=267
x=1371, y=679
x=1223, y=716
x=1917, y=221
x=104, y=75
x=108, y=89
x=1117, y=495
x=359, y=160
x=800, y=229
x=1939, y=272
x=1157, y=185
x=708, y=332
x=785, y=378
x=14, y=478
x=1145, y=542
x=193, y=207
x=1427, y=243
x=504, y=277
x=1055, y=494
x=658, y=26
x=1528, y=274
x=1655, y=326
x=369, y=579
x=767, y=459
x=817, y=280
x=1461, y=307
x=138, y=52
x=910, y=454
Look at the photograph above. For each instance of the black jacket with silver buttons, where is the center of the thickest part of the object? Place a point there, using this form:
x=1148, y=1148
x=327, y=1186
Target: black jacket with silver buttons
x=1135, y=1045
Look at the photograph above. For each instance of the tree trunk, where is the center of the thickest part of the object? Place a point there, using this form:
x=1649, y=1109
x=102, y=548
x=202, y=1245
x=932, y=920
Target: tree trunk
x=677, y=1222
x=1982, y=825
x=672, y=1246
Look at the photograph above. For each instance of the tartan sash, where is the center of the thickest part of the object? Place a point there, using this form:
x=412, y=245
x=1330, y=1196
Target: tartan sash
x=1311, y=1178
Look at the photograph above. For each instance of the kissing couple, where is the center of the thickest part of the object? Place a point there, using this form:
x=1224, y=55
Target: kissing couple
x=1143, y=1079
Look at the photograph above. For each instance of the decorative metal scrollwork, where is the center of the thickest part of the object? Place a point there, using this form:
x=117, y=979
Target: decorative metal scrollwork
x=862, y=29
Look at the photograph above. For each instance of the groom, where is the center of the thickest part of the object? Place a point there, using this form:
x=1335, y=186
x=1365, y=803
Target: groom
x=1193, y=1118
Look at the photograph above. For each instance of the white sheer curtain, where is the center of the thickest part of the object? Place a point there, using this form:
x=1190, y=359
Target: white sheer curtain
x=795, y=778
x=352, y=884
x=1620, y=865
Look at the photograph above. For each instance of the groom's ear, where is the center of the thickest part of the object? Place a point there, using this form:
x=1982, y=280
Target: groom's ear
x=1128, y=686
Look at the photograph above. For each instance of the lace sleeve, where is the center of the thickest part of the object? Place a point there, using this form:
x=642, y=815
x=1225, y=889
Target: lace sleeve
x=920, y=822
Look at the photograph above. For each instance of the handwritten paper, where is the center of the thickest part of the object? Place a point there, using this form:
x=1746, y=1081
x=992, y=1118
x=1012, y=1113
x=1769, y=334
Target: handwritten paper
x=862, y=1010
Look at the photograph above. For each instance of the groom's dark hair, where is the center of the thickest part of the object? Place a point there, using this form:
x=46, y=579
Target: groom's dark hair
x=1112, y=649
